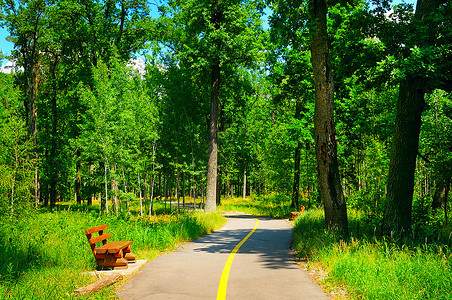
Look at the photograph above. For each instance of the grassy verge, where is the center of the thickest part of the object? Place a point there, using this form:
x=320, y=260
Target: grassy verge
x=44, y=254
x=272, y=206
x=372, y=268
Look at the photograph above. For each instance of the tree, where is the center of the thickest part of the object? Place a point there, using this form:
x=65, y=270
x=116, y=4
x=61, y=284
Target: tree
x=120, y=123
x=411, y=104
x=211, y=35
x=292, y=69
x=16, y=172
x=330, y=186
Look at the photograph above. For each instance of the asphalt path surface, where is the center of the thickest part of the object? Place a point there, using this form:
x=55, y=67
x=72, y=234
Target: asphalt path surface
x=262, y=268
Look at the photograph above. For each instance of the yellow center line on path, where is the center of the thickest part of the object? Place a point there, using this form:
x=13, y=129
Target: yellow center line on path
x=221, y=294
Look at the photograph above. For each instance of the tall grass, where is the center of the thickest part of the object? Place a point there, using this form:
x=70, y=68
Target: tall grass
x=44, y=255
x=373, y=268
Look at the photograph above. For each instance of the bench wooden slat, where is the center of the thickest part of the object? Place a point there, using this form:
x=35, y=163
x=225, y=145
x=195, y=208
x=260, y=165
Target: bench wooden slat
x=96, y=229
x=113, y=247
x=99, y=238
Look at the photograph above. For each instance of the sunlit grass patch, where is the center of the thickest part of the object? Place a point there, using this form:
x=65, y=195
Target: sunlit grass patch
x=373, y=268
x=44, y=255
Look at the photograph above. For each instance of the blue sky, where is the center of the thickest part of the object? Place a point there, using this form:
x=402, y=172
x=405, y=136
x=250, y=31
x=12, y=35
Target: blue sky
x=6, y=46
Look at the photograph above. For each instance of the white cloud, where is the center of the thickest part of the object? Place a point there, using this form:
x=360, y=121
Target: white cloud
x=10, y=67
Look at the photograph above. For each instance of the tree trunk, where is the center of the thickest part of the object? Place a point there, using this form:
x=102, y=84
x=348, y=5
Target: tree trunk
x=152, y=179
x=106, y=185
x=296, y=177
x=78, y=180
x=91, y=185
x=151, y=200
x=330, y=187
x=244, y=185
x=405, y=142
x=211, y=189
x=442, y=189
x=31, y=87
x=219, y=180
x=141, y=195
x=177, y=189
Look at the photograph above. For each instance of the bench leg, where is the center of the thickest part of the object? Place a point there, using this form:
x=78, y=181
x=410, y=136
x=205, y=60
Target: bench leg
x=131, y=258
x=112, y=262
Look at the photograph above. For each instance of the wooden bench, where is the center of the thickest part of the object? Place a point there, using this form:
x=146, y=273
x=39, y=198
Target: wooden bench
x=115, y=255
x=293, y=214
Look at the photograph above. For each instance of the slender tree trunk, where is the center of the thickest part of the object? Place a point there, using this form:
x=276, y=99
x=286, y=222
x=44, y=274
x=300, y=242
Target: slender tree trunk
x=177, y=189
x=405, y=143
x=32, y=76
x=141, y=196
x=330, y=187
x=244, y=185
x=211, y=189
x=151, y=201
x=442, y=188
x=16, y=167
x=106, y=184
x=145, y=193
x=219, y=180
x=183, y=190
x=152, y=179
x=78, y=180
x=296, y=177
x=91, y=185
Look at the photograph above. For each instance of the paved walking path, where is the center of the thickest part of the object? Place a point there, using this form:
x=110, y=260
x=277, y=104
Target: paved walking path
x=262, y=268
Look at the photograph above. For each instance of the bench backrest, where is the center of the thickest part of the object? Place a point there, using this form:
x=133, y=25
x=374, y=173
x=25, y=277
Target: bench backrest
x=102, y=237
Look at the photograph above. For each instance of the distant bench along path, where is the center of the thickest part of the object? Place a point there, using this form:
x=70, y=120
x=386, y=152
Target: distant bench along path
x=261, y=267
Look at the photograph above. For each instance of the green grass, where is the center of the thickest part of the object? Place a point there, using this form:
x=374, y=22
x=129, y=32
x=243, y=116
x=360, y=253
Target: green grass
x=372, y=268
x=272, y=206
x=45, y=254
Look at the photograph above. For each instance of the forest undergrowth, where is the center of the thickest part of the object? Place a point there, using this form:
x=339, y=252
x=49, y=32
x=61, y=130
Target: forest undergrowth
x=45, y=253
x=371, y=267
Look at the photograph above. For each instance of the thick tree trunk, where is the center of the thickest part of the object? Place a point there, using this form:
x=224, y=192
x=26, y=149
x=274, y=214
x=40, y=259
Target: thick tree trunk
x=405, y=142
x=330, y=187
x=211, y=189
